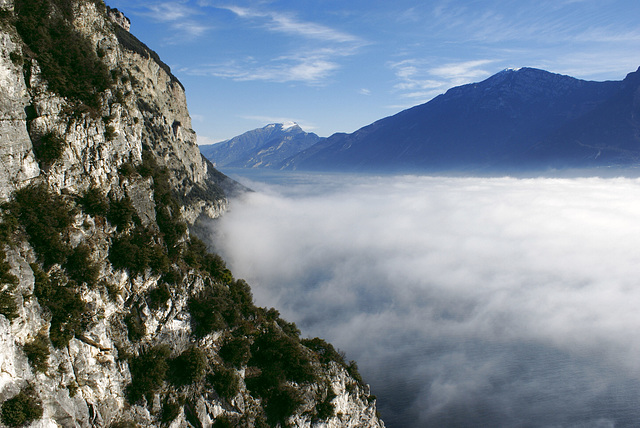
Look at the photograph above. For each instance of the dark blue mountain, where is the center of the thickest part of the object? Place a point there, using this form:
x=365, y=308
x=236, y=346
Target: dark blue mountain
x=608, y=135
x=265, y=147
x=524, y=118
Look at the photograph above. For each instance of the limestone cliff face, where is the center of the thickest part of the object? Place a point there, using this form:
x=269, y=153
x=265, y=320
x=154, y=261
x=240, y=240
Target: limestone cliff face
x=110, y=313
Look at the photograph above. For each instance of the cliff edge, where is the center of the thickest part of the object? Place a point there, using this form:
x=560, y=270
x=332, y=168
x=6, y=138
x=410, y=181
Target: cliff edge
x=111, y=313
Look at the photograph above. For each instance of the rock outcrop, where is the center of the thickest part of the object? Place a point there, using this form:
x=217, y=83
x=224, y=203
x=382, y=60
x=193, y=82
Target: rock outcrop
x=111, y=314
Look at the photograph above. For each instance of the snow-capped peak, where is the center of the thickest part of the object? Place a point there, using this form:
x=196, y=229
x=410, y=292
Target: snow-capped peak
x=288, y=125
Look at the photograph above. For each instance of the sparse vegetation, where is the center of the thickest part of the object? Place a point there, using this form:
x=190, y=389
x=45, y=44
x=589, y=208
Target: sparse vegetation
x=137, y=251
x=62, y=299
x=122, y=213
x=148, y=372
x=45, y=217
x=94, y=202
x=37, y=352
x=69, y=62
x=188, y=367
x=224, y=381
x=135, y=327
x=236, y=351
x=48, y=149
x=80, y=267
x=8, y=283
x=21, y=409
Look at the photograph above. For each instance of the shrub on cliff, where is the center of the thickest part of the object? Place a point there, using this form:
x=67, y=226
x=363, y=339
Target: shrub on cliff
x=148, y=372
x=21, y=409
x=48, y=149
x=68, y=60
x=68, y=310
x=8, y=282
x=94, y=202
x=224, y=381
x=45, y=217
x=138, y=250
x=80, y=267
x=37, y=352
x=188, y=367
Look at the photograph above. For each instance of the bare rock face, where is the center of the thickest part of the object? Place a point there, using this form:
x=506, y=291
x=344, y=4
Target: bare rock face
x=111, y=314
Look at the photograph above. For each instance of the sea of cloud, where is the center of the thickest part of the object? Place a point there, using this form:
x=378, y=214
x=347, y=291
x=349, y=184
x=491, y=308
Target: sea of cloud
x=467, y=302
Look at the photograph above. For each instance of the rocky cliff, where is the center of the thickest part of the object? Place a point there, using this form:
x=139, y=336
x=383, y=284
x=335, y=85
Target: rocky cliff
x=111, y=312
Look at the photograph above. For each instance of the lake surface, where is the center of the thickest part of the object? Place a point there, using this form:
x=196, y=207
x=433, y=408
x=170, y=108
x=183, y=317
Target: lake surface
x=467, y=302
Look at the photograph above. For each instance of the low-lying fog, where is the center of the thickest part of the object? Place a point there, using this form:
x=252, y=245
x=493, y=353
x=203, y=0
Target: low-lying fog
x=467, y=302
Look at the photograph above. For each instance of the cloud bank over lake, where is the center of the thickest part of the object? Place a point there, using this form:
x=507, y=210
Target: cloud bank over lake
x=466, y=301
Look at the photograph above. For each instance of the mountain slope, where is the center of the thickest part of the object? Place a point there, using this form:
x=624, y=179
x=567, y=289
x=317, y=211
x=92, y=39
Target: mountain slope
x=608, y=135
x=470, y=127
x=112, y=313
x=265, y=147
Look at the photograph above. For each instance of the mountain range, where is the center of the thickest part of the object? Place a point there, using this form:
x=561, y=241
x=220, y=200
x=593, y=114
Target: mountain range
x=265, y=147
x=516, y=120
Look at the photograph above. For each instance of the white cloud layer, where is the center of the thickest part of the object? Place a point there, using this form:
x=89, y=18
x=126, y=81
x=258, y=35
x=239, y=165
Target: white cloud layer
x=466, y=301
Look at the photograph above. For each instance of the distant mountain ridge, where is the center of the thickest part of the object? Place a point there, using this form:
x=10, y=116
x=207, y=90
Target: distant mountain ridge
x=265, y=147
x=493, y=124
x=516, y=120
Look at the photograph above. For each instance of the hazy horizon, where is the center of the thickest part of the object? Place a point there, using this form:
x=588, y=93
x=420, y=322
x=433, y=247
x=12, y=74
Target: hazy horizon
x=465, y=301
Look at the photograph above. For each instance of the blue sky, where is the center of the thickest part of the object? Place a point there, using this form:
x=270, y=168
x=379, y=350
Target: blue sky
x=338, y=65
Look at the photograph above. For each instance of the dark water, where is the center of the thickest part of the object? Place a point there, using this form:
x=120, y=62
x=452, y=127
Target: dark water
x=466, y=302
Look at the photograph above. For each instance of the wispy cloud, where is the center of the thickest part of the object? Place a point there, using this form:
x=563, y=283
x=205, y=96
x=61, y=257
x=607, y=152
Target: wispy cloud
x=180, y=18
x=306, y=68
x=287, y=23
x=316, y=56
x=420, y=81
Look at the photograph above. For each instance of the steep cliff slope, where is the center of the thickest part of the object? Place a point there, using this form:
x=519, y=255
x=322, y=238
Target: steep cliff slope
x=111, y=314
x=265, y=147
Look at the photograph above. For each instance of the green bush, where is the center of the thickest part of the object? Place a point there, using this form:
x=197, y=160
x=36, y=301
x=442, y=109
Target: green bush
x=158, y=296
x=94, y=202
x=224, y=381
x=223, y=421
x=45, y=217
x=148, y=372
x=170, y=411
x=122, y=213
x=281, y=358
x=80, y=267
x=21, y=409
x=325, y=408
x=8, y=304
x=212, y=310
x=37, y=352
x=68, y=310
x=198, y=257
x=188, y=367
x=236, y=351
x=137, y=251
x=8, y=283
x=48, y=149
x=68, y=60
x=325, y=351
